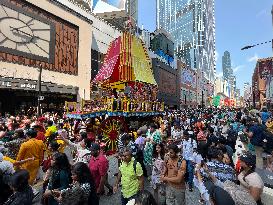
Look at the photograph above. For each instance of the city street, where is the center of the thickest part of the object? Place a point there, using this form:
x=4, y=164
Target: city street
x=184, y=87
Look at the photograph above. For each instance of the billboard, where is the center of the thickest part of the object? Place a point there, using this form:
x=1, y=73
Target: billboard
x=115, y=4
x=188, y=77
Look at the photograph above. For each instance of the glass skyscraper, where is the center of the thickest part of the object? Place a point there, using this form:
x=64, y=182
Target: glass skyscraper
x=226, y=65
x=192, y=25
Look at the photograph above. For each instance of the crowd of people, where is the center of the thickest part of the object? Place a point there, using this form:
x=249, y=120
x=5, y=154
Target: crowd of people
x=174, y=154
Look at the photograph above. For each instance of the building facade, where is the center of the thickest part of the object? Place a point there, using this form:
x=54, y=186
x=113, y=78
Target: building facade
x=226, y=65
x=188, y=85
x=117, y=12
x=192, y=26
x=63, y=60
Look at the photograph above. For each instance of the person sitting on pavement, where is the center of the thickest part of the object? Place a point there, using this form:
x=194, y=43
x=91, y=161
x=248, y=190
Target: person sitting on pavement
x=217, y=167
x=248, y=178
x=22, y=191
x=59, y=177
x=82, y=190
x=131, y=176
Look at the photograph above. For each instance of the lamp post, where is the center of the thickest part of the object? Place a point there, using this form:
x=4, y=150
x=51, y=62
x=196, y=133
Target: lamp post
x=185, y=100
x=39, y=90
x=202, y=103
x=254, y=103
x=251, y=46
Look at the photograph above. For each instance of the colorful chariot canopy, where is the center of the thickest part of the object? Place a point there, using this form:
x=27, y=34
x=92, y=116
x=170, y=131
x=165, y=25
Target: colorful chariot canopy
x=126, y=60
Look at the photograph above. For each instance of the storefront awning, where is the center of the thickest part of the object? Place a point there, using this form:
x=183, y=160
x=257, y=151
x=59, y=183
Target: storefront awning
x=32, y=85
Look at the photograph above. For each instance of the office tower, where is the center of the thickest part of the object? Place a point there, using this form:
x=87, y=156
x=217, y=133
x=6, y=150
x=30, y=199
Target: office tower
x=226, y=65
x=117, y=12
x=192, y=25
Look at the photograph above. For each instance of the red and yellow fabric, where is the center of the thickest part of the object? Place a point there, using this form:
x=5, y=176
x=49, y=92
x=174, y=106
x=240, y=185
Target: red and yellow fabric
x=110, y=62
x=9, y=159
x=126, y=60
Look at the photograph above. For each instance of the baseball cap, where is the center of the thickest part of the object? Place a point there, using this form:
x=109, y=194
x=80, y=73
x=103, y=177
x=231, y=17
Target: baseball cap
x=248, y=158
x=95, y=147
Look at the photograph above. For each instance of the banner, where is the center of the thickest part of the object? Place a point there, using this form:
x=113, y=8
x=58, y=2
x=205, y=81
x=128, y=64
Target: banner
x=216, y=100
x=265, y=68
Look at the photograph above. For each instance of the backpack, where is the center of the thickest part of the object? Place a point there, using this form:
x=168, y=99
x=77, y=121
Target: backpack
x=134, y=165
x=240, y=195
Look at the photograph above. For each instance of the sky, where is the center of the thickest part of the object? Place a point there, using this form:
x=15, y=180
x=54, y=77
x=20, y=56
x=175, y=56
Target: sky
x=238, y=23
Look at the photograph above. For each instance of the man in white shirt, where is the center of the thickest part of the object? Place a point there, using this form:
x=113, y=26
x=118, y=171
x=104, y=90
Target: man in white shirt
x=188, y=146
x=176, y=132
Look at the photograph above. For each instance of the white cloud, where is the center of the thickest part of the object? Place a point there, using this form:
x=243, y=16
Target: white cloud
x=237, y=68
x=219, y=75
x=216, y=56
x=253, y=58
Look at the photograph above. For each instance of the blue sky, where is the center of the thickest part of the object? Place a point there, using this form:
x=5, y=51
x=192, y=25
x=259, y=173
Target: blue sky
x=238, y=23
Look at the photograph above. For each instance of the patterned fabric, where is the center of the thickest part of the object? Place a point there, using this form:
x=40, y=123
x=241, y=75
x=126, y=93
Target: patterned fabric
x=221, y=171
x=240, y=195
x=158, y=166
x=78, y=194
x=21, y=198
x=13, y=147
x=148, y=151
x=121, y=146
x=6, y=167
x=133, y=147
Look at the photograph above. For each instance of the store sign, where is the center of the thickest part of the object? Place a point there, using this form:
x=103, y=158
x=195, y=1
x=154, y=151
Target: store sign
x=5, y=84
x=165, y=57
x=28, y=85
x=31, y=85
x=14, y=84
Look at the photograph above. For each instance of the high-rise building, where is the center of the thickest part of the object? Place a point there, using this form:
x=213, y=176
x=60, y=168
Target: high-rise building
x=226, y=65
x=192, y=25
x=117, y=12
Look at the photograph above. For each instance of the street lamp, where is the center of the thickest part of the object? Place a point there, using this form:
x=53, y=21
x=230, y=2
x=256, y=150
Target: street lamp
x=40, y=90
x=202, y=103
x=251, y=46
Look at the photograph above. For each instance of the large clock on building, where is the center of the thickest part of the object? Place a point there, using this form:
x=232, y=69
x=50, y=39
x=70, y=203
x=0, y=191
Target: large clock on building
x=25, y=34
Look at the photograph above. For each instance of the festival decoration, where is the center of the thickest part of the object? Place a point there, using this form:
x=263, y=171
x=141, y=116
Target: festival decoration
x=126, y=60
x=216, y=100
x=188, y=77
